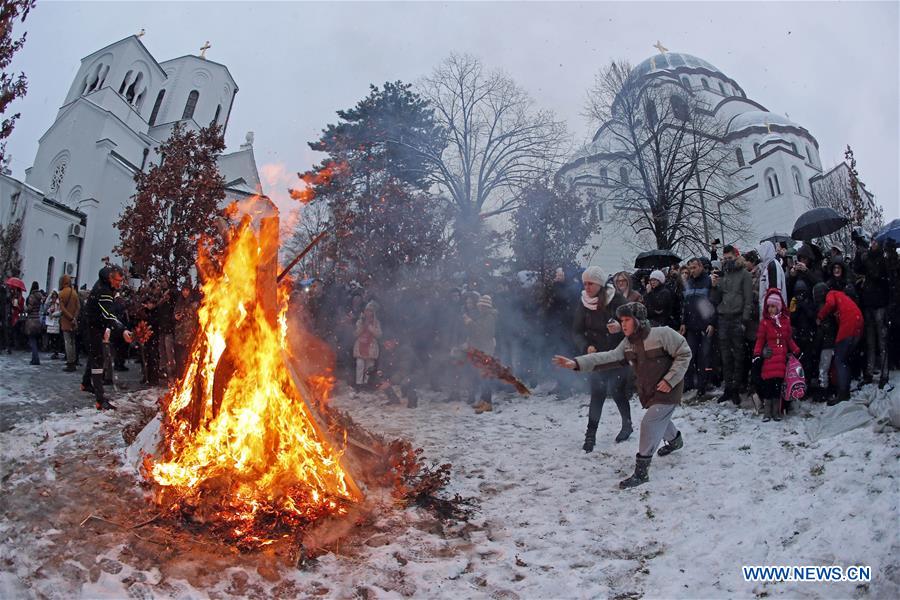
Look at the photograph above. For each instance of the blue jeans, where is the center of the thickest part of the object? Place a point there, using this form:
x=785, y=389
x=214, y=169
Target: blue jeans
x=33, y=344
x=842, y=352
x=701, y=349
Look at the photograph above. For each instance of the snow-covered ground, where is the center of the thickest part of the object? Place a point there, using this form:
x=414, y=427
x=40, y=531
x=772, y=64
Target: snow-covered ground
x=551, y=521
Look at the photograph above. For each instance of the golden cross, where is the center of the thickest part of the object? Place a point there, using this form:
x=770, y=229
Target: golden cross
x=204, y=48
x=662, y=49
x=141, y=33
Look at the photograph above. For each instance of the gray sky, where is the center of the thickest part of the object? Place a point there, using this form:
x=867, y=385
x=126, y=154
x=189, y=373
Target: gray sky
x=833, y=67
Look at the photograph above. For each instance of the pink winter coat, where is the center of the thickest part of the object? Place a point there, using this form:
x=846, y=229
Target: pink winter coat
x=777, y=336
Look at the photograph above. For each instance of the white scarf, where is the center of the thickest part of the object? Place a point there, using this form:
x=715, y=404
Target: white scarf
x=588, y=302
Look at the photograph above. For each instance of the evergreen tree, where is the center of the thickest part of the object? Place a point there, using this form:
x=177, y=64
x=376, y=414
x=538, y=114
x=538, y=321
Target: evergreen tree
x=550, y=227
x=11, y=86
x=176, y=205
x=10, y=259
x=376, y=187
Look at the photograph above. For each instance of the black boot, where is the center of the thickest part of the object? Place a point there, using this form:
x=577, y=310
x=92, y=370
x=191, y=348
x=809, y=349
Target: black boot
x=101, y=402
x=590, y=436
x=767, y=415
x=670, y=447
x=624, y=432
x=641, y=467
x=624, y=407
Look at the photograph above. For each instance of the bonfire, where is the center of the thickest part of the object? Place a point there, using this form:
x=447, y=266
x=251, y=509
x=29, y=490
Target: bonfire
x=242, y=450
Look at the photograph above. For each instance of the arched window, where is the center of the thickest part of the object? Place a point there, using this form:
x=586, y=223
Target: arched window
x=156, y=105
x=705, y=83
x=604, y=176
x=650, y=111
x=798, y=181
x=623, y=175
x=56, y=178
x=190, y=105
x=599, y=207
x=722, y=88
x=125, y=82
x=809, y=155
x=103, y=73
x=216, y=118
x=756, y=149
x=50, y=262
x=686, y=82
x=679, y=107
x=135, y=88
x=739, y=154
x=772, y=183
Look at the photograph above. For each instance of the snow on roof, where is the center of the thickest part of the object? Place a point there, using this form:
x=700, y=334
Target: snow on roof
x=672, y=61
x=759, y=118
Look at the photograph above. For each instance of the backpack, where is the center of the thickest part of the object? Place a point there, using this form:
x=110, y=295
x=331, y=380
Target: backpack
x=794, y=380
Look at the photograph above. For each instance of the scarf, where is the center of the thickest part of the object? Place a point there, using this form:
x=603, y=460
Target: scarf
x=591, y=303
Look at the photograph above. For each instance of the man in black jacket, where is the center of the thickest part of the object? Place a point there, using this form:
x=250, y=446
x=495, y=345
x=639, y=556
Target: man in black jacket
x=732, y=295
x=101, y=324
x=870, y=267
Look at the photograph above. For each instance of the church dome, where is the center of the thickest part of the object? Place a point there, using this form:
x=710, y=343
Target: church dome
x=672, y=62
x=759, y=118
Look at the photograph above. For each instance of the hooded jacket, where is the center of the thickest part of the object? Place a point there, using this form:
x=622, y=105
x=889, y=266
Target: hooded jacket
x=849, y=317
x=656, y=354
x=733, y=296
x=872, y=268
x=775, y=334
x=69, y=304
x=699, y=311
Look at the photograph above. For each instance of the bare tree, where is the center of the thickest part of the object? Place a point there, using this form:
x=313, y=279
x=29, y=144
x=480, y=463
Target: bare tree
x=670, y=178
x=497, y=142
x=841, y=190
x=306, y=222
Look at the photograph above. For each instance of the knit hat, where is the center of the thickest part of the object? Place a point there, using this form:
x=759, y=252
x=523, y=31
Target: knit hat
x=594, y=274
x=485, y=302
x=636, y=311
x=658, y=275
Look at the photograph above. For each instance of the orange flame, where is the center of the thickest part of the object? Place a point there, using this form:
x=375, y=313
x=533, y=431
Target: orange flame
x=241, y=446
x=311, y=179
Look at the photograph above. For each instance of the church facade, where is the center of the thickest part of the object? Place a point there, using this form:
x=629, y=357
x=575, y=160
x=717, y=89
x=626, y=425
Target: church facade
x=122, y=103
x=773, y=169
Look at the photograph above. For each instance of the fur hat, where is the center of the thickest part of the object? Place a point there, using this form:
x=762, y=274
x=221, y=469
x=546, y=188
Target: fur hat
x=485, y=301
x=636, y=311
x=594, y=274
x=658, y=275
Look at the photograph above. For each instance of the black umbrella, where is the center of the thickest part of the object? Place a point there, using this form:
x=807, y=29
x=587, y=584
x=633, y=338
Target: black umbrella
x=656, y=259
x=777, y=237
x=891, y=231
x=817, y=222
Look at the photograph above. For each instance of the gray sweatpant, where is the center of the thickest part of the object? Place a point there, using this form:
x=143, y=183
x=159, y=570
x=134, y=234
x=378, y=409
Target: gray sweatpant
x=655, y=427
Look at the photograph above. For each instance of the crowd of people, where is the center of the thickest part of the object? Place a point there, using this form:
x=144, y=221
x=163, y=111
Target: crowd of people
x=90, y=325
x=749, y=318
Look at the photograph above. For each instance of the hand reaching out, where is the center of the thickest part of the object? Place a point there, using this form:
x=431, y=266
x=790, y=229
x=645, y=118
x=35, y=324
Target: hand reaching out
x=565, y=363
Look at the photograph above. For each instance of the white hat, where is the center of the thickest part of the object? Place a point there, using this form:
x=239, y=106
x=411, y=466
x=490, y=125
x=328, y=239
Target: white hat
x=594, y=274
x=658, y=275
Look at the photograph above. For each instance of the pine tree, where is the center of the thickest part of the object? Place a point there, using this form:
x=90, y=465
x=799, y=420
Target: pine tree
x=550, y=227
x=11, y=86
x=375, y=186
x=176, y=205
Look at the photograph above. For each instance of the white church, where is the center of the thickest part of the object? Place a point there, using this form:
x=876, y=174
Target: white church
x=775, y=164
x=122, y=103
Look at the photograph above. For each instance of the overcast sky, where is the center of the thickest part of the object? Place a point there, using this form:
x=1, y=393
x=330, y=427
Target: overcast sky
x=833, y=67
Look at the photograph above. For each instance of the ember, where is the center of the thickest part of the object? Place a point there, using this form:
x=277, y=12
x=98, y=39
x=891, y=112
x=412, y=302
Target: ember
x=242, y=451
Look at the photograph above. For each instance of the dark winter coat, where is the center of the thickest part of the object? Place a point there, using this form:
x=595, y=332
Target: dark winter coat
x=33, y=305
x=775, y=335
x=661, y=306
x=589, y=326
x=655, y=354
x=841, y=283
x=849, y=317
x=99, y=313
x=733, y=296
x=699, y=312
x=872, y=268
